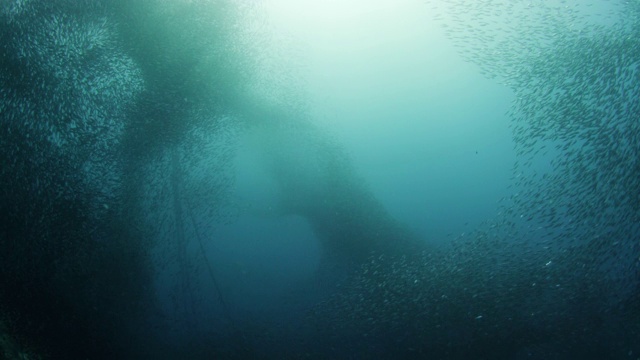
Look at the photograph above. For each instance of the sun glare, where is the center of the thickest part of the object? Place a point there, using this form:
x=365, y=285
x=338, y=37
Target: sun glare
x=330, y=16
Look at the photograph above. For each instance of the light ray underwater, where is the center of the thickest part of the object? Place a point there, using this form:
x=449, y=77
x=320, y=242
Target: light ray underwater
x=280, y=179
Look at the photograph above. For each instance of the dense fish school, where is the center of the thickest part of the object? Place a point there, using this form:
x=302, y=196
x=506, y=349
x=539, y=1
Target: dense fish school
x=557, y=273
x=119, y=123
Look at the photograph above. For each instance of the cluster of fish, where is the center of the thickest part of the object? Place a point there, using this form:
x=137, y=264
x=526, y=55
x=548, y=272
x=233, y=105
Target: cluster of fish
x=119, y=122
x=96, y=100
x=557, y=273
x=66, y=88
x=118, y=119
x=65, y=92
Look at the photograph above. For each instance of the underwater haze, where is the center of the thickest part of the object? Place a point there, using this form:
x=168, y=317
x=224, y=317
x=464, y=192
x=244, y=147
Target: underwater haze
x=424, y=129
x=281, y=179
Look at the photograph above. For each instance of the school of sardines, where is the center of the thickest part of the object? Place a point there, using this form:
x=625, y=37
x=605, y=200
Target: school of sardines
x=564, y=251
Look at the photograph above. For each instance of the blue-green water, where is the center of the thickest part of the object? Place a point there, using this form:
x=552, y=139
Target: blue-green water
x=324, y=180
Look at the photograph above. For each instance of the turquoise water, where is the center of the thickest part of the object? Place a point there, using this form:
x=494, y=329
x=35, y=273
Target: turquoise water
x=328, y=180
